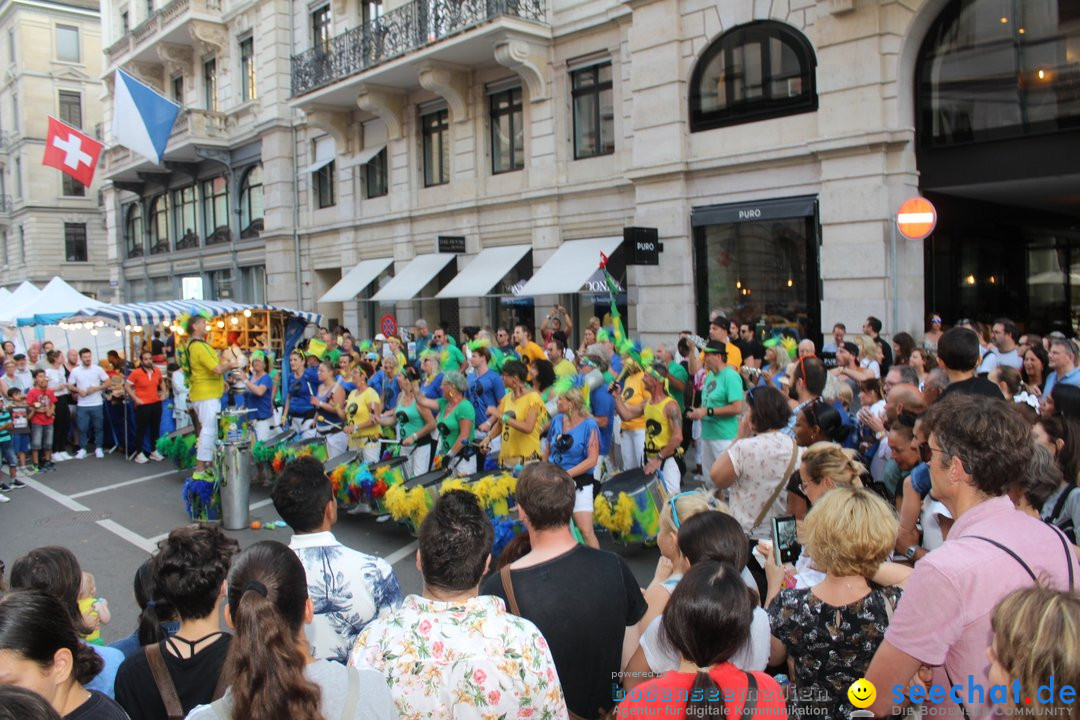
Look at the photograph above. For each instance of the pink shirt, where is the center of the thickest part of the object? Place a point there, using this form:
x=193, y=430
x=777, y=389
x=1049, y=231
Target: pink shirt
x=943, y=619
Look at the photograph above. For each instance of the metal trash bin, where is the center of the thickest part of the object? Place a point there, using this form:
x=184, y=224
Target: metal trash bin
x=234, y=469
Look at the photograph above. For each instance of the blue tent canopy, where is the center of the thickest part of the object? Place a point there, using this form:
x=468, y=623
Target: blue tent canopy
x=153, y=313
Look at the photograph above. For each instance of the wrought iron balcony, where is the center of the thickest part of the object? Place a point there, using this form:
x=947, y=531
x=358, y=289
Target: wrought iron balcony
x=400, y=31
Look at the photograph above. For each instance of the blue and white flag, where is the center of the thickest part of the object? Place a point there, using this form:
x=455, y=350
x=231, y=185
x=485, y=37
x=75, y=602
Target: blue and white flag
x=142, y=117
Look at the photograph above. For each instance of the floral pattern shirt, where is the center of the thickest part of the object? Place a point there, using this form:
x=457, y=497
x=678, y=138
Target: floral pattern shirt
x=463, y=661
x=760, y=463
x=348, y=588
x=831, y=646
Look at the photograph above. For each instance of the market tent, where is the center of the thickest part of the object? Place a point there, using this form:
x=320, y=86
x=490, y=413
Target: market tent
x=22, y=298
x=56, y=301
x=152, y=313
x=5, y=294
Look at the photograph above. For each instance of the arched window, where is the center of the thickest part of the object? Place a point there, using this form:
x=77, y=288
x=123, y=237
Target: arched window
x=990, y=70
x=251, y=203
x=761, y=70
x=133, y=230
x=159, y=224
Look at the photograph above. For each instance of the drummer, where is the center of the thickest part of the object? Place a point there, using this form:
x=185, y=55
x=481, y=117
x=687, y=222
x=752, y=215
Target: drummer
x=663, y=430
x=414, y=423
x=259, y=396
x=329, y=404
x=455, y=422
x=519, y=419
x=362, y=415
x=299, y=413
x=574, y=445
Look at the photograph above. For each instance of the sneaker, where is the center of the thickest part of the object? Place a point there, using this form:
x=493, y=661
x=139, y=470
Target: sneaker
x=382, y=518
x=206, y=476
x=4, y=498
x=81, y=454
x=140, y=458
x=29, y=470
x=60, y=456
x=156, y=456
x=360, y=509
x=99, y=453
x=4, y=487
x=49, y=466
x=17, y=484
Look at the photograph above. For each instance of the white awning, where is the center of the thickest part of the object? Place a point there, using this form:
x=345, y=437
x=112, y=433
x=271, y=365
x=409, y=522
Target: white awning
x=416, y=275
x=325, y=151
x=356, y=280
x=364, y=156
x=570, y=267
x=484, y=272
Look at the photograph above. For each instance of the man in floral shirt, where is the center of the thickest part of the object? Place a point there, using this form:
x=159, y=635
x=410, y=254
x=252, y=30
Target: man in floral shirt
x=348, y=588
x=450, y=653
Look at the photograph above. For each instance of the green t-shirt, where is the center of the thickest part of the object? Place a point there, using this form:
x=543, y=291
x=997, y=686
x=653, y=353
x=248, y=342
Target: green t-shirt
x=450, y=425
x=721, y=389
x=678, y=372
x=450, y=358
x=409, y=420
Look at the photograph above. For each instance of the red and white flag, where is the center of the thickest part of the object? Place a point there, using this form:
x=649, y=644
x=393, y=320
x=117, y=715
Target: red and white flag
x=71, y=152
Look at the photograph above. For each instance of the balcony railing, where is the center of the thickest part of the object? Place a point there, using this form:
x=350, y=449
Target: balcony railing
x=400, y=31
x=158, y=20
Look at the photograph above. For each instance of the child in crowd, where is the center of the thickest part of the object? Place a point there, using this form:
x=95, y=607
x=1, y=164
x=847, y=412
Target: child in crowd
x=7, y=453
x=94, y=609
x=42, y=403
x=20, y=425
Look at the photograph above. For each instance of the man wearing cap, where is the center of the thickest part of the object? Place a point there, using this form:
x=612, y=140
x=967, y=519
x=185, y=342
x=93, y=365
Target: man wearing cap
x=207, y=385
x=721, y=404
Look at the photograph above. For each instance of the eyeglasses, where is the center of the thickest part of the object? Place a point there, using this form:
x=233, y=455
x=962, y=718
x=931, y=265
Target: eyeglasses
x=926, y=451
x=674, y=511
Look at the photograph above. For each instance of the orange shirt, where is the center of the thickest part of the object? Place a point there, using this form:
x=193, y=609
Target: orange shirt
x=146, y=385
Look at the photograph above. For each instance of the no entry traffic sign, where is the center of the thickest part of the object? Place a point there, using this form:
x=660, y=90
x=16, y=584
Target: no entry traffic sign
x=916, y=218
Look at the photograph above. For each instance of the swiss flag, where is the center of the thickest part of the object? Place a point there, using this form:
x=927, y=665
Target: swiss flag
x=71, y=152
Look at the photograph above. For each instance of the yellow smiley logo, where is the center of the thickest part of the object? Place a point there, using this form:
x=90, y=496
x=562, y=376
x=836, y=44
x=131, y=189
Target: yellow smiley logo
x=862, y=693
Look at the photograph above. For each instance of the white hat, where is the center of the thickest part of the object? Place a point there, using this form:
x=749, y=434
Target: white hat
x=380, y=337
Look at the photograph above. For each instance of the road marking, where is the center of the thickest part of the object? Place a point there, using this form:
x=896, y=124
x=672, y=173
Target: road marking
x=134, y=538
x=402, y=553
x=118, y=485
x=261, y=503
x=111, y=525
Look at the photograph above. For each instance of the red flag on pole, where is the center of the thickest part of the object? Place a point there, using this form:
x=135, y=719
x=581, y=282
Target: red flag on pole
x=71, y=152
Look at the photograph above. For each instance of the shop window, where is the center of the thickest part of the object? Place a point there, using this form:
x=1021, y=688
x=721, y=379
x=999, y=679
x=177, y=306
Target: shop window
x=507, y=131
x=435, y=127
x=133, y=230
x=990, y=69
x=221, y=284
x=251, y=203
x=753, y=72
x=594, y=111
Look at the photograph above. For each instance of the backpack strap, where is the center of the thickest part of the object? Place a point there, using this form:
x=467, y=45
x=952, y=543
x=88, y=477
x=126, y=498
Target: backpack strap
x=1017, y=558
x=165, y=686
x=1064, y=546
x=750, y=703
x=1060, y=504
x=508, y=588
x=352, y=693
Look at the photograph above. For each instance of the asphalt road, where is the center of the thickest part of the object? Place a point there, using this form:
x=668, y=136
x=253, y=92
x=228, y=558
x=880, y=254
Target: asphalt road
x=112, y=513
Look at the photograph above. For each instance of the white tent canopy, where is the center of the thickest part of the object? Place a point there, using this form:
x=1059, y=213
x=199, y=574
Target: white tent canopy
x=23, y=297
x=57, y=301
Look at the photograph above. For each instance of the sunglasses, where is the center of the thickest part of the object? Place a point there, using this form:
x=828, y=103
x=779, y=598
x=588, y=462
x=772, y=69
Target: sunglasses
x=674, y=510
x=926, y=451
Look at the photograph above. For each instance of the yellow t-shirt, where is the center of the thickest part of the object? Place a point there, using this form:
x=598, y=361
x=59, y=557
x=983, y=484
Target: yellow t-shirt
x=565, y=369
x=657, y=427
x=633, y=394
x=358, y=412
x=530, y=352
x=734, y=356
x=514, y=442
x=204, y=383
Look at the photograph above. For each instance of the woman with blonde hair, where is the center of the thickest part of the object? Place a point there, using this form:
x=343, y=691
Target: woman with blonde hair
x=1036, y=633
x=574, y=445
x=672, y=563
x=832, y=629
x=824, y=465
x=776, y=364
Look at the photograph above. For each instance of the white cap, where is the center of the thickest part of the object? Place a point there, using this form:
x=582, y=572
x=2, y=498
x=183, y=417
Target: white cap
x=380, y=337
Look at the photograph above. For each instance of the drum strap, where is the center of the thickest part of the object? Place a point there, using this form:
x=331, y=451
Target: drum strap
x=508, y=588
x=780, y=486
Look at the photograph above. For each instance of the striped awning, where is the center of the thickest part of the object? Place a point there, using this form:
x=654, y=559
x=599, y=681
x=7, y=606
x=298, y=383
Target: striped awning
x=152, y=313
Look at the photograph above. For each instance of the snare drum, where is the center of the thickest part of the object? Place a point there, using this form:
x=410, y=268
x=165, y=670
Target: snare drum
x=349, y=478
x=629, y=506
x=410, y=502
x=385, y=475
x=234, y=427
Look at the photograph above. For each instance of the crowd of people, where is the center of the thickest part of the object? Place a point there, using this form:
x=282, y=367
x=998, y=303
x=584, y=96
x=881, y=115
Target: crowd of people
x=931, y=487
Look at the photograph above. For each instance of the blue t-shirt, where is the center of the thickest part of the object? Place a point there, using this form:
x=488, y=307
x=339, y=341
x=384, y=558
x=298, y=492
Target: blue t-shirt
x=603, y=405
x=262, y=405
x=432, y=389
x=347, y=386
x=300, y=391
x=565, y=456
x=920, y=478
x=105, y=681
x=387, y=388
x=485, y=391
x=616, y=364
x=1071, y=378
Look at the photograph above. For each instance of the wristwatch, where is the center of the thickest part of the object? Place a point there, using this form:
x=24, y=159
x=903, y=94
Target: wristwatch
x=910, y=552
x=708, y=411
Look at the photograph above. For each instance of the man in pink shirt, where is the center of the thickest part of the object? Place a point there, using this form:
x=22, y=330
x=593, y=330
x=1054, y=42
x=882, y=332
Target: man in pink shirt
x=976, y=447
